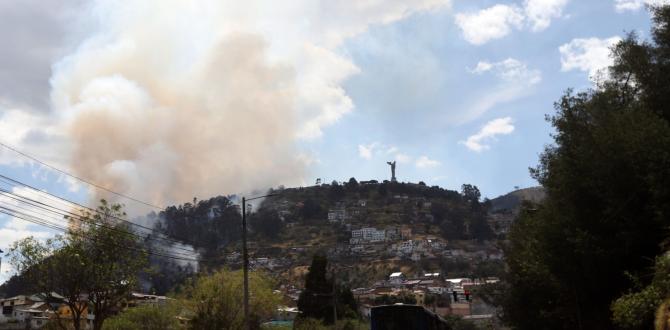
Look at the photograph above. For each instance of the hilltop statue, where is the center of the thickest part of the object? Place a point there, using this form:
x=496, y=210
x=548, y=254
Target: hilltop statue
x=392, y=170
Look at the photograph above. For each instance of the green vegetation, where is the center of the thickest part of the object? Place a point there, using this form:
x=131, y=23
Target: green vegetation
x=146, y=317
x=458, y=323
x=207, y=224
x=215, y=301
x=94, y=267
x=316, y=300
x=581, y=259
x=635, y=310
x=314, y=324
x=404, y=298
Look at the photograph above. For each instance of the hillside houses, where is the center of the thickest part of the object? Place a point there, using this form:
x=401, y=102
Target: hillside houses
x=417, y=249
x=393, y=240
x=35, y=311
x=368, y=235
x=451, y=296
x=343, y=211
x=337, y=215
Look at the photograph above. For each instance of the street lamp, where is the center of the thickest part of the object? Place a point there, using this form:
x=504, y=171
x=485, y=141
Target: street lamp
x=245, y=257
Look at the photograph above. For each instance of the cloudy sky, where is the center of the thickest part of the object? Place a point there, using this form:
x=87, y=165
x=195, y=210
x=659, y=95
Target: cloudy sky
x=164, y=100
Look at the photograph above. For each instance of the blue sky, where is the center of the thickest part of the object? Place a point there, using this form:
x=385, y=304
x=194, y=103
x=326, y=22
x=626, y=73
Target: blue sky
x=415, y=74
x=454, y=91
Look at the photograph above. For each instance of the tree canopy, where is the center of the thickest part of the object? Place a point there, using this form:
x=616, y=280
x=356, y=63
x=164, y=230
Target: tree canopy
x=216, y=300
x=316, y=300
x=607, y=179
x=94, y=266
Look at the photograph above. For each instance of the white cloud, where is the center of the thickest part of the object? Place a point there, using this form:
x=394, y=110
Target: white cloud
x=482, y=66
x=10, y=233
x=402, y=158
x=33, y=133
x=499, y=126
x=541, y=12
x=634, y=5
x=589, y=55
x=510, y=70
x=366, y=151
x=425, y=162
x=15, y=230
x=23, y=207
x=516, y=80
x=439, y=178
x=308, y=159
x=376, y=149
x=490, y=23
x=499, y=20
x=73, y=185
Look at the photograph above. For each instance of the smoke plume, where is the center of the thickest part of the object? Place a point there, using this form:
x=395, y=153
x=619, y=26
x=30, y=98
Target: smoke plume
x=167, y=100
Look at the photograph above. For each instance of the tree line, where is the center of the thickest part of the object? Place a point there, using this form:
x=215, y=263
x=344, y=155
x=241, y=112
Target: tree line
x=593, y=254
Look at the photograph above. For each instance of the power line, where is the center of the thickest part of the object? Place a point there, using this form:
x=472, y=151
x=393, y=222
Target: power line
x=154, y=234
x=57, y=226
x=79, y=178
x=70, y=215
x=46, y=223
x=50, y=196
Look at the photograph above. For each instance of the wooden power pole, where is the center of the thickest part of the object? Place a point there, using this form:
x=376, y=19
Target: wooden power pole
x=245, y=266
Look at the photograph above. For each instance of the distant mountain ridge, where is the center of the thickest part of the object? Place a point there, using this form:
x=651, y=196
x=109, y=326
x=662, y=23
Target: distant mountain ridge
x=512, y=201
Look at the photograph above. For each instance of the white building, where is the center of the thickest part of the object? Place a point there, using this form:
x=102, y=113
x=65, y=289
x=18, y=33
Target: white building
x=284, y=313
x=458, y=283
x=396, y=278
x=436, y=244
x=405, y=247
x=369, y=234
x=337, y=215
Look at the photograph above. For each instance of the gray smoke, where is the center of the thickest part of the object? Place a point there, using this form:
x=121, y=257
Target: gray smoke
x=167, y=100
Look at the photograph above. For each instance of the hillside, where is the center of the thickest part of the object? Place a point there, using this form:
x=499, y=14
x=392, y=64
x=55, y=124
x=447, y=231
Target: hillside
x=289, y=227
x=512, y=201
x=293, y=224
x=322, y=216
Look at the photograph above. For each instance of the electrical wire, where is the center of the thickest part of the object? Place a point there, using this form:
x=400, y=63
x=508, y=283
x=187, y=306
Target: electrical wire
x=70, y=215
x=35, y=159
x=57, y=226
x=48, y=224
x=70, y=203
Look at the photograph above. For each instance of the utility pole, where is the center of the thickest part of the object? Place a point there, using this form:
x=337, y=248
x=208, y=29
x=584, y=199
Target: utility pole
x=245, y=263
x=245, y=258
x=334, y=301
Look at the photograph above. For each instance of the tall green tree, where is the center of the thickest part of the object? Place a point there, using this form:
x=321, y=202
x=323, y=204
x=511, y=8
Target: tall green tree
x=316, y=300
x=607, y=179
x=95, y=265
x=216, y=300
x=470, y=193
